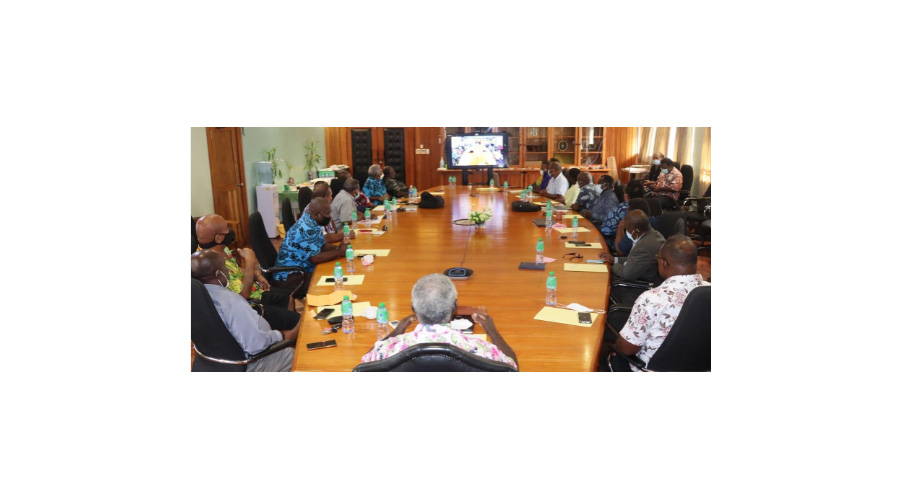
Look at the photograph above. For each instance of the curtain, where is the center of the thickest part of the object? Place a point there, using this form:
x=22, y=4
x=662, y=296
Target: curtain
x=684, y=145
x=662, y=140
x=705, y=178
x=645, y=153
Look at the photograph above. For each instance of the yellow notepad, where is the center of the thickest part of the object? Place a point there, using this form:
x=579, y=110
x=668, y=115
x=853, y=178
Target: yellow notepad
x=579, y=229
x=588, y=268
x=358, y=309
x=589, y=245
x=564, y=316
x=377, y=253
x=328, y=299
x=353, y=279
x=379, y=208
x=484, y=190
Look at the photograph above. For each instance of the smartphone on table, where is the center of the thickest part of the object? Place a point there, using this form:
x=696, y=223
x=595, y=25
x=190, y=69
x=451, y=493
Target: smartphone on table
x=321, y=345
x=324, y=313
x=584, y=318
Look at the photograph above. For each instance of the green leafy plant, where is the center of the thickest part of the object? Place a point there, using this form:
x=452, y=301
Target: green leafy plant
x=312, y=155
x=277, y=162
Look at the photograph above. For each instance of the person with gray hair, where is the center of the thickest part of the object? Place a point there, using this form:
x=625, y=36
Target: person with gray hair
x=374, y=188
x=434, y=304
x=344, y=204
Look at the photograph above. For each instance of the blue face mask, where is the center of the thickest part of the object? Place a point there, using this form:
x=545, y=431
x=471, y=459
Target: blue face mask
x=665, y=170
x=656, y=162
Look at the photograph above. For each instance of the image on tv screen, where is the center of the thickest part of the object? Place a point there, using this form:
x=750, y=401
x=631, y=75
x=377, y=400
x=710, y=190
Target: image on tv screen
x=470, y=151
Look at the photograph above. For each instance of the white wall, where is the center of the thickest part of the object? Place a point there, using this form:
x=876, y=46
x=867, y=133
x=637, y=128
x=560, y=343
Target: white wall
x=201, y=180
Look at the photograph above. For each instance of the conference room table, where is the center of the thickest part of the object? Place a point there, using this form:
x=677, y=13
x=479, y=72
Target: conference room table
x=426, y=241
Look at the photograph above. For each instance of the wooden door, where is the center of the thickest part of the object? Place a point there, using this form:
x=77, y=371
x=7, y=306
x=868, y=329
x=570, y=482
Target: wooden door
x=394, y=151
x=226, y=165
x=366, y=146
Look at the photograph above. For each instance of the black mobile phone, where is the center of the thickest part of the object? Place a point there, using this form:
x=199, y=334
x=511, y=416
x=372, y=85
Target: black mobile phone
x=563, y=237
x=329, y=280
x=324, y=313
x=336, y=320
x=321, y=345
x=584, y=318
x=578, y=242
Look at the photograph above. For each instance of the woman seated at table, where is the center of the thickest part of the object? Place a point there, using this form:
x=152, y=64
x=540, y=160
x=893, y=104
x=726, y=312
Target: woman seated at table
x=574, y=188
x=374, y=188
x=434, y=303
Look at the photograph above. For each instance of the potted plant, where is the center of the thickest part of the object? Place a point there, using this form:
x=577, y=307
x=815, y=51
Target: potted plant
x=276, y=162
x=312, y=157
x=479, y=217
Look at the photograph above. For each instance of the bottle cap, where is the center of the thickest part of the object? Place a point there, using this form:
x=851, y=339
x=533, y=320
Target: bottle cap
x=551, y=273
x=346, y=297
x=540, y=239
x=381, y=304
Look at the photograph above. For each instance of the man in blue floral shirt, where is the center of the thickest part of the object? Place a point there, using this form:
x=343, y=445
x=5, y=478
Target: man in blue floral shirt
x=374, y=188
x=304, y=244
x=634, y=189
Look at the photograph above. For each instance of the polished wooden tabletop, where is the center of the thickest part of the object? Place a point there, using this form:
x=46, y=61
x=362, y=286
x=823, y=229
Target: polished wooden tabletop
x=426, y=241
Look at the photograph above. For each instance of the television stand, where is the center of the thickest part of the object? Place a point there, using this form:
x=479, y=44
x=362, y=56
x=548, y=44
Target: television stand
x=465, y=172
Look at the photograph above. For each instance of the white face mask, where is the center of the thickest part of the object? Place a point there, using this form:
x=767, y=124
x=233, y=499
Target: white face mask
x=656, y=162
x=226, y=277
x=630, y=236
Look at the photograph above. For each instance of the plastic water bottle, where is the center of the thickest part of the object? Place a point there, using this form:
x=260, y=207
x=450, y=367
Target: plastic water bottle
x=413, y=195
x=347, y=311
x=382, y=317
x=505, y=187
x=338, y=276
x=530, y=193
x=574, y=227
x=491, y=184
x=353, y=218
x=549, y=215
x=540, y=251
x=394, y=205
x=351, y=265
x=522, y=194
x=551, y=290
x=387, y=209
x=368, y=218
x=346, y=234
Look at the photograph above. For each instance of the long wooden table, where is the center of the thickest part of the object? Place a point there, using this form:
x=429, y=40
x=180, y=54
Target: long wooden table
x=426, y=241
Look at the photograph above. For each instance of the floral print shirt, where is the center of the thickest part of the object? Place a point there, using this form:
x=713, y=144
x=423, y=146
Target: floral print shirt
x=329, y=228
x=655, y=311
x=302, y=241
x=613, y=218
x=236, y=276
x=374, y=187
x=671, y=180
x=424, y=334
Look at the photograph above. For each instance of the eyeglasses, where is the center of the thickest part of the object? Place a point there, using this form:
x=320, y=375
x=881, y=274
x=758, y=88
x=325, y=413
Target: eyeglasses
x=573, y=257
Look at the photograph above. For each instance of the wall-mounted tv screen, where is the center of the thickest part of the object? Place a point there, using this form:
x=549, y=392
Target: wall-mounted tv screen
x=472, y=150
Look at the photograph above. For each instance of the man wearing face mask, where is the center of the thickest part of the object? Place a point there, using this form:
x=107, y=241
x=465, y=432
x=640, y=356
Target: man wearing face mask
x=668, y=184
x=246, y=280
x=304, y=244
x=251, y=331
x=640, y=264
x=654, y=167
x=344, y=203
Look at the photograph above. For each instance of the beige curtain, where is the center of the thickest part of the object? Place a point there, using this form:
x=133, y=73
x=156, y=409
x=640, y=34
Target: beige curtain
x=662, y=140
x=705, y=178
x=684, y=145
x=645, y=152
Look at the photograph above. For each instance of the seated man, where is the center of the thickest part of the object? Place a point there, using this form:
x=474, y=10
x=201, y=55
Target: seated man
x=622, y=244
x=345, y=203
x=545, y=176
x=558, y=185
x=321, y=189
x=337, y=183
x=304, y=244
x=656, y=310
x=374, y=188
x=587, y=196
x=572, y=193
x=251, y=331
x=653, y=174
x=247, y=280
x=434, y=303
x=610, y=225
x=667, y=185
x=607, y=201
x=394, y=187
x=640, y=264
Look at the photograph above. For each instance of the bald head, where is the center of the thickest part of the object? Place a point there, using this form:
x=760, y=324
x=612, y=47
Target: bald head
x=637, y=219
x=319, y=207
x=209, y=226
x=680, y=255
x=584, y=179
x=204, y=267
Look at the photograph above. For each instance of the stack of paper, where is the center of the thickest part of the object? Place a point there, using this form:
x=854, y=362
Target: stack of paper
x=563, y=316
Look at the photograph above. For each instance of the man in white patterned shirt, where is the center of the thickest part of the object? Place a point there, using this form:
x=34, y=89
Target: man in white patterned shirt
x=656, y=310
x=558, y=185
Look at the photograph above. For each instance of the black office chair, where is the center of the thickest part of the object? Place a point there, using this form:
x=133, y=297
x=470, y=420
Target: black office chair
x=619, y=192
x=193, y=234
x=434, y=357
x=266, y=255
x=655, y=206
x=304, y=196
x=687, y=175
x=216, y=349
x=671, y=223
x=687, y=347
x=287, y=214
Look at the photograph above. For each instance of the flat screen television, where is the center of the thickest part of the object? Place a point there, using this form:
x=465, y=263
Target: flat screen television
x=473, y=150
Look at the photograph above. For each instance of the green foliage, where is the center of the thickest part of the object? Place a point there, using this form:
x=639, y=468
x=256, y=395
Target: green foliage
x=312, y=155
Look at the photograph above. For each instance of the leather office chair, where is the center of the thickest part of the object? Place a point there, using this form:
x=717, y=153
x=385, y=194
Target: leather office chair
x=655, y=206
x=671, y=223
x=216, y=349
x=266, y=255
x=193, y=234
x=619, y=192
x=304, y=196
x=687, y=347
x=287, y=214
x=434, y=357
x=687, y=176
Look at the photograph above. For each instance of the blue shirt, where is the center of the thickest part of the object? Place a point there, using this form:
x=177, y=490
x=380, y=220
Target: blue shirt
x=302, y=241
x=374, y=187
x=607, y=203
x=611, y=223
x=587, y=198
x=545, y=180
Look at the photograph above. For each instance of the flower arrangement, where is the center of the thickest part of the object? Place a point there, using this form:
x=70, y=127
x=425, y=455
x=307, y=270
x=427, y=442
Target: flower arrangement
x=480, y=216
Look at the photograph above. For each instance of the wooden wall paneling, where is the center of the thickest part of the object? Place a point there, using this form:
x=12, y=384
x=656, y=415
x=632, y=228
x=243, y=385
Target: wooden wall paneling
x=426, y=165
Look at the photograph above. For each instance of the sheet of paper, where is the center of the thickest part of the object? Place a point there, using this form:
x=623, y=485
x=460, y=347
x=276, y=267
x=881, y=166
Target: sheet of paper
x=564, y=316
x=485, y=190
x=579, y=229
x=358, y=308
x=353, y=279
x=329, y=299
x=515, y=191
x=379, y=208
x=589, y=245
x=586, y=268
x=572, y=216
x=368, y=251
